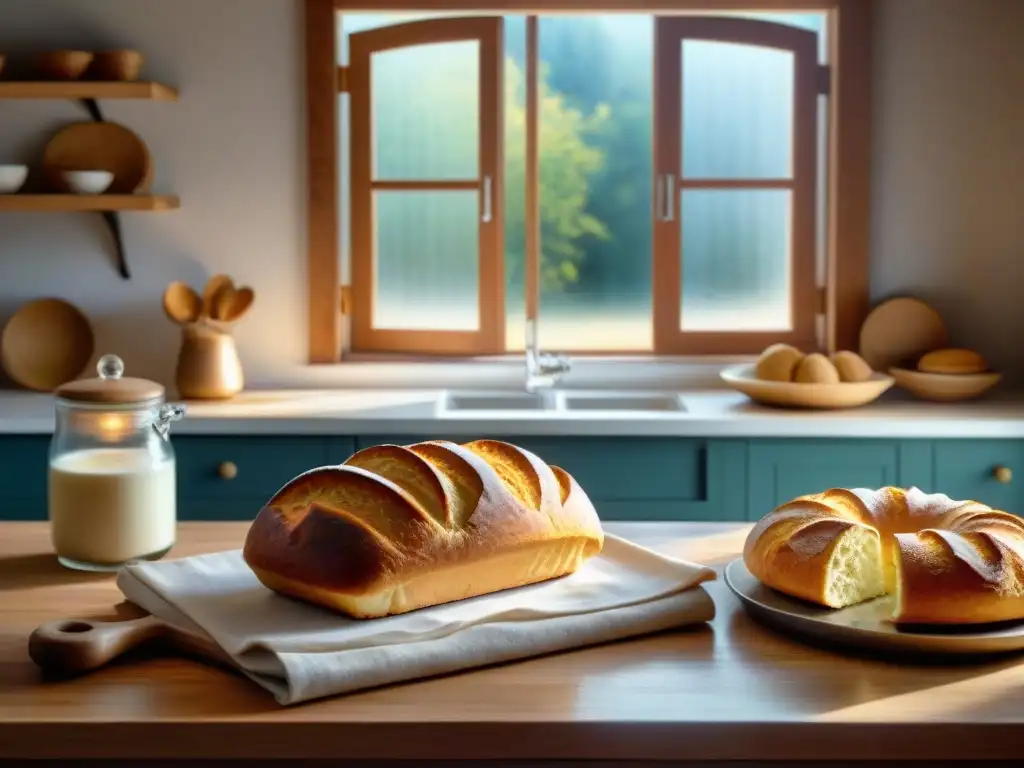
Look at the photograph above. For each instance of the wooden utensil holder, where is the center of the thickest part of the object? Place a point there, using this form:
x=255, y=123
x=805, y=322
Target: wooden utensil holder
x=208, y=364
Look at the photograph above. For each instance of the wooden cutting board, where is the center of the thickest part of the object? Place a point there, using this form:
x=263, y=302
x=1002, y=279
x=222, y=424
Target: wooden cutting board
x=77, y=646
x=99, y=147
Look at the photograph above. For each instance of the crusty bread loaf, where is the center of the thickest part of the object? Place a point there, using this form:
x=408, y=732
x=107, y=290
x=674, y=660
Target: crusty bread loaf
x=948, y=562
x=397, y=528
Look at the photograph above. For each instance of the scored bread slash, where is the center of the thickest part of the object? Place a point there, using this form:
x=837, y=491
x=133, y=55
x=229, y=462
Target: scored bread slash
x=398, y=528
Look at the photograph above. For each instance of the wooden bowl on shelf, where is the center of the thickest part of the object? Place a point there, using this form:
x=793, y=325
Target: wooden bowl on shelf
x=120, y=66
x=63, y=65
x=90, y=146
x=789, y=394
x=945, y=387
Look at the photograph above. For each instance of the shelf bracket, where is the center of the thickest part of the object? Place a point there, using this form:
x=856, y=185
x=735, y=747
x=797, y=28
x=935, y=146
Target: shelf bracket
x=93, y=108
x=114, y=225
x=110, y=218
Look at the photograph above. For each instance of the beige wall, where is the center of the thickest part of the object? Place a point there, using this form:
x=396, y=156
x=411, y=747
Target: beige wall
x=948, y=171
x=232, y=148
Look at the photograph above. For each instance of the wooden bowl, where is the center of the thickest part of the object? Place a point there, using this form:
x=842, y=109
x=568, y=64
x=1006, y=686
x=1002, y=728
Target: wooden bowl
x=48, y=342
x=787, y=394
x=945, y=387
x=122, y=66
x=63, y=65
x=90, y=146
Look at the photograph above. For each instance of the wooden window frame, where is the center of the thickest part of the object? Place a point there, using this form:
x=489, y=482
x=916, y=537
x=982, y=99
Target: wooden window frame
x=669, y=337
x=848, y=211
x=489, y=337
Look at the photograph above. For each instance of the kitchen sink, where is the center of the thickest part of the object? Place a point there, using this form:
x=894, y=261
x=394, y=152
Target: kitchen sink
x=549, y=401
x=496, y=401
x=622, y=401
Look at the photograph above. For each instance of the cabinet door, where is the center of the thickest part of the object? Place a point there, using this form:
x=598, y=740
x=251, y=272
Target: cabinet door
x=781, y=470
x=23, y=467
x=967, y=469
x=339, y=449
x=261, y=465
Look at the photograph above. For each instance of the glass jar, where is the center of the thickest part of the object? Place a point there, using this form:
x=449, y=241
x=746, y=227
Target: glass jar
x=111, y=495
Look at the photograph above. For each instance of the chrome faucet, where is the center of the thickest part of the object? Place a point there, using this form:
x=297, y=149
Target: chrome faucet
x=543, y=369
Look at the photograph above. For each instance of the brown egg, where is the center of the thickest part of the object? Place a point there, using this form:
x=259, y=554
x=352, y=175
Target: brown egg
x=816, y=369
x=778, y=363
x=851, y=366
x=952, y=361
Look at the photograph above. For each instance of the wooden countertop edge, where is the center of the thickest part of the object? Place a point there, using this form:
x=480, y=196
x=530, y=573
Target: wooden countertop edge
x=718, y=741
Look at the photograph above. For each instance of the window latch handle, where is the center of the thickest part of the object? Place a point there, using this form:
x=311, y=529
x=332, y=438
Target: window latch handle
x=670, y=197
x=659, y=198
x=486, y=215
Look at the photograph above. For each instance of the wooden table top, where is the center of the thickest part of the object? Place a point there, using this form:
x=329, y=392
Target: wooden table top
x=727, y=691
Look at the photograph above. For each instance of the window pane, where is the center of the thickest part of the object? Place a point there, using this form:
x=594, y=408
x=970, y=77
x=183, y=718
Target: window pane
x=595, y=146
x=427, y=260
x=736, y=259
x=737, y=111
x=426, y=111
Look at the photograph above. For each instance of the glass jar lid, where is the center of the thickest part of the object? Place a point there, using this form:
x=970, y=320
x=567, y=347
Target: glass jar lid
x=111, y=387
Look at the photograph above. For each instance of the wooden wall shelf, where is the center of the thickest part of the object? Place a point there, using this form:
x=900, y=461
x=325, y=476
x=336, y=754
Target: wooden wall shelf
x=90, y=203
x=89, y=93
x=81, y=89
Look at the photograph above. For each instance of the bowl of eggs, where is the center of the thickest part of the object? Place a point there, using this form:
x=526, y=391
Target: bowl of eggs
x=947, y=375
x=783, y=376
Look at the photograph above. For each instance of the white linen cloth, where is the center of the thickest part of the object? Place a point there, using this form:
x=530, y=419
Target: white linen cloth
x=301, y=652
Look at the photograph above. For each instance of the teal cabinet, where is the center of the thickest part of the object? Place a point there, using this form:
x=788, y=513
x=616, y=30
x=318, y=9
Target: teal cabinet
x=230, y=478
x=261, y=465
x=24, y=460
x=781, y=470
x=339, y=449
x=968, y=469
x=628, y=478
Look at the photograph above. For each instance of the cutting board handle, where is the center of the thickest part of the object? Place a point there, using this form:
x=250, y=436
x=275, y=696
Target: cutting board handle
x=74, y=646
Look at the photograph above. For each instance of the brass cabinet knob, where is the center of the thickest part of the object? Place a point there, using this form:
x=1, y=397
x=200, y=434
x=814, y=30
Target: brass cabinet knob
x=1003, y=475
x=228, y=470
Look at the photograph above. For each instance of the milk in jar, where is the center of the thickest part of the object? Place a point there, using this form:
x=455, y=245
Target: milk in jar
x=111, y=492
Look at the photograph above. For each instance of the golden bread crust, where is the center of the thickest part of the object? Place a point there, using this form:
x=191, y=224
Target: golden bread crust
x=950, y=562
x=396, y=528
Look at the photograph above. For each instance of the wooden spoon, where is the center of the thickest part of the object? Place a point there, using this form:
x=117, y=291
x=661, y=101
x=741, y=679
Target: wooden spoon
x=238, y=303
x=214, y=286
x=222, y=302
x=181, y=303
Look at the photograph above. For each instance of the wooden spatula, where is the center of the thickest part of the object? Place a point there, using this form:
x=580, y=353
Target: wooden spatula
x=77, y=646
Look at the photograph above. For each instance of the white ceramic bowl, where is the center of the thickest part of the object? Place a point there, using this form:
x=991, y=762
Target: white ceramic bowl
x=88, y=182
x=12, y=177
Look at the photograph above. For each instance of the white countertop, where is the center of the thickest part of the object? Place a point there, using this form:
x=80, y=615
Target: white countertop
x=709, y=413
